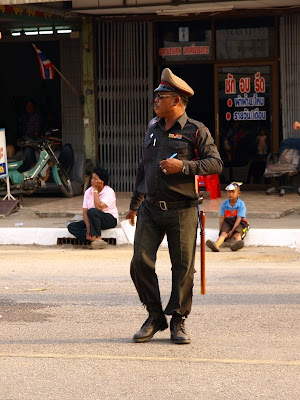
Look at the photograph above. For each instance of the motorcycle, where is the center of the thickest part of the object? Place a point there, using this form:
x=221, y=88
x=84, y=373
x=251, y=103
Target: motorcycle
x=29, y=181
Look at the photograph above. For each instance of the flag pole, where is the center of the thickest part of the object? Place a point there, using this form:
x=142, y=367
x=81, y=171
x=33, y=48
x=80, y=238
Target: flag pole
x=67, y=81
x=39, y=53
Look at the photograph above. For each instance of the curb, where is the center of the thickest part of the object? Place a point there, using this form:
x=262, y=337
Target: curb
x=49, y=236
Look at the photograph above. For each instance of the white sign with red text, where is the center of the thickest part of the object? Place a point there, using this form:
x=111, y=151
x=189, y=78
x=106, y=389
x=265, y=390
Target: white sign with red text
x=3, y=158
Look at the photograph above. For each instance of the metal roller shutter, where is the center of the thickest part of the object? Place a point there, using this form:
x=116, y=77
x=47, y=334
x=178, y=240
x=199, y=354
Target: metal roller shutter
x=125, y=90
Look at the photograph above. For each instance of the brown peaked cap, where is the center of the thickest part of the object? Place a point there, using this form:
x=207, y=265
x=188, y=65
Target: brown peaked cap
x=168, y=79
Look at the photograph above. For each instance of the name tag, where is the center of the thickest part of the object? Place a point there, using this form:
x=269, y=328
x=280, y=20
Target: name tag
x=175, y=136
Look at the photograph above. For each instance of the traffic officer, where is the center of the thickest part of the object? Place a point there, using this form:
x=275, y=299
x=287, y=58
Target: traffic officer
x=175, y=149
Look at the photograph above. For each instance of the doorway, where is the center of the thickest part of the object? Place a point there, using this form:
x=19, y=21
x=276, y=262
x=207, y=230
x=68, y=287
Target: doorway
x=245, y=120
x=201, y=79
x=21, y=80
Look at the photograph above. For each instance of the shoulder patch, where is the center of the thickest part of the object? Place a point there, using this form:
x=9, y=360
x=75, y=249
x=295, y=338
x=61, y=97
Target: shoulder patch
x=153, y=121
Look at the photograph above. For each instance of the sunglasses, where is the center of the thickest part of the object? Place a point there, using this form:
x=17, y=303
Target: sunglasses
x=158, y=96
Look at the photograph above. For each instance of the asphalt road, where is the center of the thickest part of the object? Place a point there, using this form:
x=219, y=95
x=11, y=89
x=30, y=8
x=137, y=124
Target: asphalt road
x=68, y=315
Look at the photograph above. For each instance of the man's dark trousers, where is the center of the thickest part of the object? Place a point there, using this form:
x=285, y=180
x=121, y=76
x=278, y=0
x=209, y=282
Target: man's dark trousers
x=180, y=226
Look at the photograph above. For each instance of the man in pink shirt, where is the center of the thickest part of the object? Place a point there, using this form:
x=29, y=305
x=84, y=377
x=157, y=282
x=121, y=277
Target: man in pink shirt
x=99, y=211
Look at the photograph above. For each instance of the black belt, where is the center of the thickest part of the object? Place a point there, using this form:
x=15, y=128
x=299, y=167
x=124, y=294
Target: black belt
x=169, y=205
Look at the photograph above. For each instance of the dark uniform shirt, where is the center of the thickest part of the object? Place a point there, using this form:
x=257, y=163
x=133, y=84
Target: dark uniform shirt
x=160, y=144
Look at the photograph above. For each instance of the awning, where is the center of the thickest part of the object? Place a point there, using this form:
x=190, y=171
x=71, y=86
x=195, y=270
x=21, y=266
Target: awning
x=171, y=7
x=22, y=2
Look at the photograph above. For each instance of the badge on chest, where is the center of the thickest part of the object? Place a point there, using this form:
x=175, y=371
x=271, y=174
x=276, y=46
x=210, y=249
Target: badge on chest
x=175, y=136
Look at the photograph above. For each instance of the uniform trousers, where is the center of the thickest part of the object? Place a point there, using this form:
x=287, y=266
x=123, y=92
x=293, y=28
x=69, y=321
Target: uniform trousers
x=98, y=220
x=180, y=226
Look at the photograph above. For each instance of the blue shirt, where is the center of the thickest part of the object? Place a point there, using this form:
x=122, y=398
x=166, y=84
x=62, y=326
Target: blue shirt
x=238, y=210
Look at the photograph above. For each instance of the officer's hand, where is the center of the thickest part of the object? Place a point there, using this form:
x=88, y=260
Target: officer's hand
x=131, y=216
x=171, y=166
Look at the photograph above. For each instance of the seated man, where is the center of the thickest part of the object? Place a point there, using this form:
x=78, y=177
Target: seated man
x=32, y=129
x=99, y=211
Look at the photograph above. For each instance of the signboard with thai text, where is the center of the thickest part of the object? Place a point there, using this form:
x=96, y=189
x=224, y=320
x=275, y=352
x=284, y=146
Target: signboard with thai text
x=245, y=116
x=246, y=101
x=178, y=51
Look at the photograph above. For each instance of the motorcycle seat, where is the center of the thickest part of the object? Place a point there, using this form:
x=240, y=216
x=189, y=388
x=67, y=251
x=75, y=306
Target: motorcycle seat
x=12, y=165
x=16, y=157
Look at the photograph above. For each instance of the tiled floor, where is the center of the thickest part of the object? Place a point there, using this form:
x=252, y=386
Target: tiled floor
x=258, y=204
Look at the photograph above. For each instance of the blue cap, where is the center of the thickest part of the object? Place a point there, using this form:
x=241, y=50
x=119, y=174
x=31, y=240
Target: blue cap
x=233, y=185
x=165, y=87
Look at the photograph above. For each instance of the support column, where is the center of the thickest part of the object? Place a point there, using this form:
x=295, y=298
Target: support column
x=89, y=108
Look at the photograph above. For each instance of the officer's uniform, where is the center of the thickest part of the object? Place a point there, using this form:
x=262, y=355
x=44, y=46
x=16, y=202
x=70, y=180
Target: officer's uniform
x=167, y=205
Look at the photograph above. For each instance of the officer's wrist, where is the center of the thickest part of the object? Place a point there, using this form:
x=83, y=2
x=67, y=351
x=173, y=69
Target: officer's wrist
x=183, y=168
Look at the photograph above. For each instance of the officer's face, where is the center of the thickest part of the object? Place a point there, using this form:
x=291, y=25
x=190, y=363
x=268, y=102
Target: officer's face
x=163, y=103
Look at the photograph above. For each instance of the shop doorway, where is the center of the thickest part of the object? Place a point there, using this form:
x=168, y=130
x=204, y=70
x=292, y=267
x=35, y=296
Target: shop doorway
x=245, y=121
x=201, y=78
x=21, y=80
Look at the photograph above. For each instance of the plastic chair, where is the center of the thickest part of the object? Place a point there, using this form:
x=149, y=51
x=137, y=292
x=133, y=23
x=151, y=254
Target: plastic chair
x=211, y=184
x=285, y=165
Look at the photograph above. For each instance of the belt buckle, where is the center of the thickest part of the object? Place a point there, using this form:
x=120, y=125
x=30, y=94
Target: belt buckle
x=163, y=205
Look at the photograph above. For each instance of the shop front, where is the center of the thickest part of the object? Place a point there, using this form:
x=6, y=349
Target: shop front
x=23, y=78
x=244, y=71
x=233, y=67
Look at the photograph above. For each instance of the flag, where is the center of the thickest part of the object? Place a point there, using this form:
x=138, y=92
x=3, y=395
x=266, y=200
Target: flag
x=46, y=66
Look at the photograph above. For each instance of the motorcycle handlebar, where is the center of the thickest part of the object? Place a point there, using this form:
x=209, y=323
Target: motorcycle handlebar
x=29, y=142
x=51, y=131
x=38, y=141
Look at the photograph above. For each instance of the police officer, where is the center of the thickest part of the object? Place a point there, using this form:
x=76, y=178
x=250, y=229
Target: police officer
x=175, y=149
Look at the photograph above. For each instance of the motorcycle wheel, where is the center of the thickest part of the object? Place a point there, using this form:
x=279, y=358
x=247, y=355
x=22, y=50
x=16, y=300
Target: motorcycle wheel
x=66, y=186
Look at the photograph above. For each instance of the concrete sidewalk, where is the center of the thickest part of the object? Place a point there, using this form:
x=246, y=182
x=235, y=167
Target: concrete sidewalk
x=274, y=220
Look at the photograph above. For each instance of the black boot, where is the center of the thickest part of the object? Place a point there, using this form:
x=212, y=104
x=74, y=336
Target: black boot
x=155, y=322
x=178, y=333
